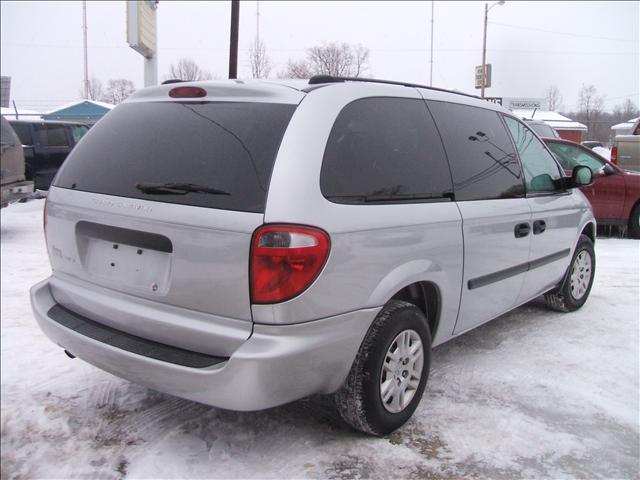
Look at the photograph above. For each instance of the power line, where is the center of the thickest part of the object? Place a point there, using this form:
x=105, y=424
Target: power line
x=374, y=50
x=562, y=33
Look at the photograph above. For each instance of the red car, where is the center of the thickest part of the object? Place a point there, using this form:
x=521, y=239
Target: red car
x=615, y=193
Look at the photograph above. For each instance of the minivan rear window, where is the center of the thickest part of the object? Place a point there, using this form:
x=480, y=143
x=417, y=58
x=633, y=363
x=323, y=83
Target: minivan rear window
x=227, y=147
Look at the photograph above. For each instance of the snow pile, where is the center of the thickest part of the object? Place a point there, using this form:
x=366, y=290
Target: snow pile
x=532, y=394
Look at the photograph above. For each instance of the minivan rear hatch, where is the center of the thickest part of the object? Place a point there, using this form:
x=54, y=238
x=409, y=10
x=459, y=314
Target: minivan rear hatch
x=159, y=200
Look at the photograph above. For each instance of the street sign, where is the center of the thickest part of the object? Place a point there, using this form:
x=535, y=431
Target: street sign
x=497, y=100
x=141, y=26
x=487, y=82
x=525, y=103
x=5, y=91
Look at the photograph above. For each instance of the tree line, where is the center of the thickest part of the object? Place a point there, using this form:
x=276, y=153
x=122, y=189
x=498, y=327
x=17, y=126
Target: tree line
x=347, y=60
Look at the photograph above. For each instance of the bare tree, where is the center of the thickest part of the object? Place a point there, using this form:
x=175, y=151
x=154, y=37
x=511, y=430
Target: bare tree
x=297, y=69
x=554, y=99
x=187, y=69
x=625, y=111
x=258, y=59
x=335, y=59
x=118, y=90
x=590, y=105
x=629, y=110
x=95, y=90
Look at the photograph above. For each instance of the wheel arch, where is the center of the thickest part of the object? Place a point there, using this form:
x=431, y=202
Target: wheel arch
x=426, y=296
x=590, y=231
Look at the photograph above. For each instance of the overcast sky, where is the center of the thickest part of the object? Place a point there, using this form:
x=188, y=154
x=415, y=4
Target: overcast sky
x=531, y=45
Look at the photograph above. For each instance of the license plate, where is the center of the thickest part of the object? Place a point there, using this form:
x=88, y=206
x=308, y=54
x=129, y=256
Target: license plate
x=122, y=265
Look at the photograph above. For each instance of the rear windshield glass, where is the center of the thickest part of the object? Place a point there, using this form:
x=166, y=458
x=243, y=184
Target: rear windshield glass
x=138, y=148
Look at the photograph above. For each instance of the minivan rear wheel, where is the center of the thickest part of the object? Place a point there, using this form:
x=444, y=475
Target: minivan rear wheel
x=390, y=372
x=577, y=283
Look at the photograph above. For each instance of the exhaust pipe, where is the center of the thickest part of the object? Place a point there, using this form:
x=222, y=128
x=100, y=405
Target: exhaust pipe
x=69, y=354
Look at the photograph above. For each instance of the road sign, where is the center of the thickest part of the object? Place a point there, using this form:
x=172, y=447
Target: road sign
x=497, y=100
x=487, y=82
x=141, y=26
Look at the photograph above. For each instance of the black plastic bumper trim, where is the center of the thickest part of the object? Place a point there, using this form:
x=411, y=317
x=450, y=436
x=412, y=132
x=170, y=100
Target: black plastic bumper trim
x=130, y=343
x=512, y=271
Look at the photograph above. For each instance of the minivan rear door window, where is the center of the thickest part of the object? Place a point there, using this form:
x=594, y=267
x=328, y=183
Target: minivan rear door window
x=483, y=161
x=226, y=146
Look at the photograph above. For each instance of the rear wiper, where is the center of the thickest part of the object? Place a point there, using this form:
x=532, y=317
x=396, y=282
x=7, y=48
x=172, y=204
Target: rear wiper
x=177, y=188
x=399, y=197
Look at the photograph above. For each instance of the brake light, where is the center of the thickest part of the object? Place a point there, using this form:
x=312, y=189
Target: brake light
x=614, y=155
x=285, y=260
x=187, y=92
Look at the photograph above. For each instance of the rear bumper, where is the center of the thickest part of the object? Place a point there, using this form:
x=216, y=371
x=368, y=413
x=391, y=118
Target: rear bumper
x=276, y=365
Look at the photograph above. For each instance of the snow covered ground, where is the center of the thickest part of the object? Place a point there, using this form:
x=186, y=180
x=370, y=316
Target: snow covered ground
x=531, y=394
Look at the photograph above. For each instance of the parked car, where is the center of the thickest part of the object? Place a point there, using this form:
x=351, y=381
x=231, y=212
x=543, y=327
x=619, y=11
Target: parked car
x=625, y=151
x=13, y=185
x=246, y=245
x=591, y=144
x=46, y=145
x=541, y=128
x=614, y=194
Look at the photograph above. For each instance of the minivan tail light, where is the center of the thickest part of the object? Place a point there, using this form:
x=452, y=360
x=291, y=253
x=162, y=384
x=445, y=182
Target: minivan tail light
x=187, y=92
x=614, y=155
x=285, y=261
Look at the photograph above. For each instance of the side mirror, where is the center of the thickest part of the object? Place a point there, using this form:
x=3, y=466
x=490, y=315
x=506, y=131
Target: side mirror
x=608, y=169
x=580, y=177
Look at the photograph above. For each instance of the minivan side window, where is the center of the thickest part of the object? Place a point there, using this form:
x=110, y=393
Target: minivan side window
x=483, y=161
x=384, y=149
x=78, y=131
x=541, y=171
x=53, y=135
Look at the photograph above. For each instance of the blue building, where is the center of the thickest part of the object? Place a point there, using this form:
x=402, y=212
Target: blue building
x=86, y=111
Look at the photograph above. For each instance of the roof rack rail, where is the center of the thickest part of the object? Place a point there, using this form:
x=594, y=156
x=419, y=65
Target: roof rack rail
x=317, y=79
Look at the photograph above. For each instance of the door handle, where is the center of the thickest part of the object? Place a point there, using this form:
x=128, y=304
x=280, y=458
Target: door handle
x=522, y=230
x=539, y=226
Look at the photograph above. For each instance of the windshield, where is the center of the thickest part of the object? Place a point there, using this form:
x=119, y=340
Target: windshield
x=222, y=145
x=570, y=156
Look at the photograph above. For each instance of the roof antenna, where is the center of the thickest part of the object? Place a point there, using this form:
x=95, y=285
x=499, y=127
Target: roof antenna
x=534, y=112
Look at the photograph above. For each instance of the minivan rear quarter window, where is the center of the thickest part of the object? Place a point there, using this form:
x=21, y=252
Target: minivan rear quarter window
x=385, y=150
x=224, y=146
x=483, y=161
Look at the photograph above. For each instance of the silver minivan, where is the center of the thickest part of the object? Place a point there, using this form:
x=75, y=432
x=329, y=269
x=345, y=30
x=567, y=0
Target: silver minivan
x=248, y=244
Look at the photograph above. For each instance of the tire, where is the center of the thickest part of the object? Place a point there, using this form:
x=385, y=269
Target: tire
x=576, y=286
x=359, y=401
x=634, y=222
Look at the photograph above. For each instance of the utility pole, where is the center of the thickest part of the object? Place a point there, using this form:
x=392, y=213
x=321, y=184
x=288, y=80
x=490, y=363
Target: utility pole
x=484, y=44
x=233, y=40
x=431, y=67
x=484, y=51
x=86, y=61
